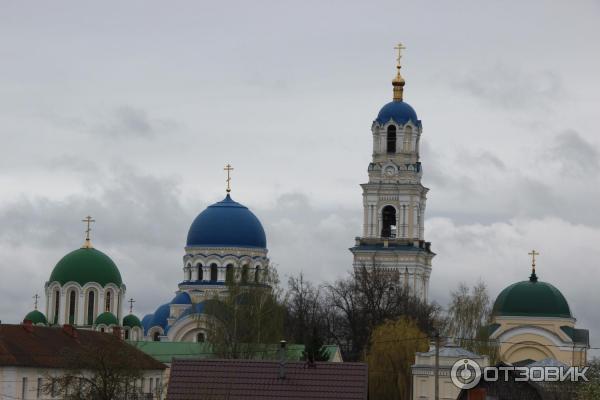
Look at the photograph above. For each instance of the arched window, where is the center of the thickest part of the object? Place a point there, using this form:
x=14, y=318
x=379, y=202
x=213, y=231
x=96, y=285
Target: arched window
x=91, y=307
x=388, y=220
x=200, y=272
x=257, y=274
x=126, y=334
x=102, y=330
x=156, y=336
x=188, y=273
x=72, y=307
x=214, y=272
x=56, y=305
x=229, y=273
x=107, y=302
x=245, y=274
x=391, y=139
x=200, y=337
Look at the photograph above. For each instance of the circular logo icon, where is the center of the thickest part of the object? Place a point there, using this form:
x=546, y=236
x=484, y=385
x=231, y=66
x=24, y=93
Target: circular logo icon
x=465, y=373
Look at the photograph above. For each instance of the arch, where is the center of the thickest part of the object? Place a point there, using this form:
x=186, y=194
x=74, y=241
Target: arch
x=56, y=305
x=388, y=222
x=108, y=301
x=126, y=333
x=72, y=307
x=257, y=274
x=214, y=272
x=156, y=336
x=245, y=273
x=229, y=273
x=200, y=337
x=199, y=272
x=391, y=139
x=91, y=307
x=188, y=273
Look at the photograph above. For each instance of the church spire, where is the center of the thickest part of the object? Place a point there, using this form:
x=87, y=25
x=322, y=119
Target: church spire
x=398, y=82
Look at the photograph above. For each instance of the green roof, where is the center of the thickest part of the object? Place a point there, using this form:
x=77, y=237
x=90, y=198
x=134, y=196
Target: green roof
x=106, y=318
x=532, y=298
x=166, y=351
x=131, y=321
x=36, y=317
x=86, y=265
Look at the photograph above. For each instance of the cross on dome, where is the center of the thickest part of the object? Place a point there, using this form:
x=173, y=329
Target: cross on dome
x=131, y=301
x=88, y=220
x=533, y=276
x=35, y=304
x=228, y=168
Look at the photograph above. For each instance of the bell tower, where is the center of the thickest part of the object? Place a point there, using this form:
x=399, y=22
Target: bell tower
x=394, y=198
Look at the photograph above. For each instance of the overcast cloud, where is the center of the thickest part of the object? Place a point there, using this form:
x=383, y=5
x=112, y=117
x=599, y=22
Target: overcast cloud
x=128, y=112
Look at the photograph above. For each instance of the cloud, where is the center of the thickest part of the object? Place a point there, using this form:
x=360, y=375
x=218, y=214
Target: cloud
x=576, y=156
x=510, y=87
x=126, y=121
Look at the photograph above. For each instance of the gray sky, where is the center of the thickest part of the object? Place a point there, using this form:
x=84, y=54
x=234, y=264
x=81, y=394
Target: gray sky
x=128, y=111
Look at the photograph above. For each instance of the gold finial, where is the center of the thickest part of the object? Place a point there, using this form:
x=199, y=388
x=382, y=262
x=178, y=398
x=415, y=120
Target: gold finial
x=88, y=220
x=398, y=82
x=228, y=168
x=35, y=304
x=533, y=276
x=131, y=301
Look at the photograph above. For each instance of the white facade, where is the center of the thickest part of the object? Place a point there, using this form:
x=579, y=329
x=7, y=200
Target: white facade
x=394, y=202
x=423, y=372
x=206, y=271
x=26, y=383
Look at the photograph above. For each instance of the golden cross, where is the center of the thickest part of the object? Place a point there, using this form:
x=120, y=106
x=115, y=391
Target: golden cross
x=533, y=254
x=36, y=297
x=399, y=47
x=228, y=168
x=88, y=220
x=131, y=301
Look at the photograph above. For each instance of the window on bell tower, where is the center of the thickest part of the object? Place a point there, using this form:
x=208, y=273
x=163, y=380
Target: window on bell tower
x=388, y=221
x=391, y=139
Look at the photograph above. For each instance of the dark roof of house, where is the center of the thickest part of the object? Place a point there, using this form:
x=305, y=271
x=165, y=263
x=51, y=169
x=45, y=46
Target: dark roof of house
x=29, y=345
x=254, y=380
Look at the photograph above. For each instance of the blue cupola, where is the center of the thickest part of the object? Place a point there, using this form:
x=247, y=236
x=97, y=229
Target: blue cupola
x=399, y=112
x=226, y=224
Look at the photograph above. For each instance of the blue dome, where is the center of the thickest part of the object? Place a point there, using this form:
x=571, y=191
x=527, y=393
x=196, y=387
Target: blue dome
x=160, y=316
x=226, y=224
x=195, y=309
x=182, y=298
x=146, y=322
x=399, y=111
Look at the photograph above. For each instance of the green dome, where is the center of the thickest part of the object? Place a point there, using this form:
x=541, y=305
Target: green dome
x=131, y=321
x=531, y=299
x=86, y=265
x=36, y=317
x=106, y=318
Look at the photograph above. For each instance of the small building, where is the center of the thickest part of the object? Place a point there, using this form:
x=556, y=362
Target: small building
x=423, y=372
x=266, y=380
x=33, y=355
x=532, y=321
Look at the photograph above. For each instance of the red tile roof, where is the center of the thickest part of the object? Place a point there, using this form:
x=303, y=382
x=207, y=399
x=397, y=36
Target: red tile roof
x=254, y=380
x=28, y=345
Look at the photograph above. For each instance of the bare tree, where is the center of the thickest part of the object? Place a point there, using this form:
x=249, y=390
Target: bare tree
x=468, y=320
x=110, y=371
x=366, y=299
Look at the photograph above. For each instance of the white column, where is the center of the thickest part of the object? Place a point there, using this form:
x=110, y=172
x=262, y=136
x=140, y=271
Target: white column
x=62, y=307
x=80, y=308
